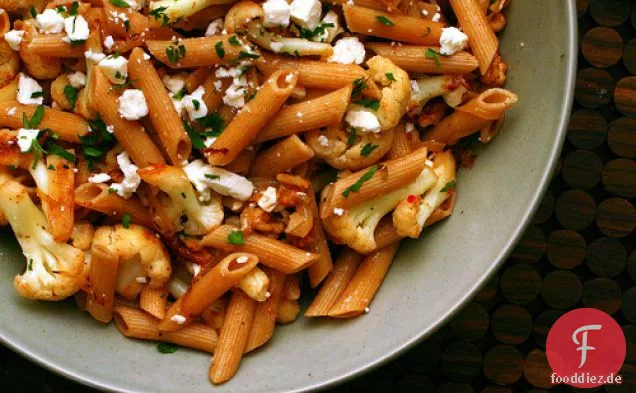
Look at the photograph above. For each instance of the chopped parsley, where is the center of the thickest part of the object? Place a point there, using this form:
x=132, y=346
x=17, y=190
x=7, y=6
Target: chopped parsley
x=234, y=41
x=126, y=220
x=352, y=137
x=449, y=186
x=212, y=177
x=127, y=25
x=175, y=52
x=180, y=94
x=248, y=55
x=368, y=149
x=120, y=3
x=196, y=104
x=30, y=267
x=167, y=347
x=122, y=86
x=358, y=86
x=35, y=119
x=37, y=94
x=112, y=190
x=33, y=12
x=433, y=55
x=236, y=238
x=218, y=47
x=97, y=142
x=384, y=20
x=318, y=31
x=74, y=8
x=371, y=104
x=158, y=13
x=355, y=187
x=390, y=76
x=71, y=95
x=57, y=150
x=195, y=137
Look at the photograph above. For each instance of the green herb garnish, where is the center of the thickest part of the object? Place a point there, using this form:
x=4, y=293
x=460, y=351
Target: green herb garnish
x=449, y=186
x=352, y=137
x=368, y=149
x=371, y=104
x=158, y=13
x=167, y=347
x=37, y=94
x=236, y=238
x=126, y=220
x=355, y=187
x=384, y=20
x=358, y=86
x=71, y=95
x=234, y=41
x=433, y=55
x=218, y=47
x=390, y=76
x=120, y=3
x=211, y=177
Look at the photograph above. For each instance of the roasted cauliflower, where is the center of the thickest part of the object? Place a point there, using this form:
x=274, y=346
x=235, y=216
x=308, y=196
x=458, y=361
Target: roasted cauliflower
x=396, y=90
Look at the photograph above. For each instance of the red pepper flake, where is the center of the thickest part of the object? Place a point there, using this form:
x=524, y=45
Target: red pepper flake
x=211, y=150
x=411, y=199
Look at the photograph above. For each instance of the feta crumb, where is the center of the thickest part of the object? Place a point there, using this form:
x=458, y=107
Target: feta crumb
x=193, y=268
x=363, y=119
x=306, y=13
x=77, y=79
x=409, y=127
x=366, y=309
x=110, y=128
x=115, y=68
x=193, y=103
x=174, y=83
x=214, y=27
x=131, y=179
x=268, y=200
x=26, y=137
x=452, y=41
x=179, y=319
x=328, y=33
x=50, y=22
x=95, y=57
x=429, y=163
x=338, y=211
x=99, y=178
x=132, y=104
x=141, y=280
x=267, y=294
x=14, y=38
x=323, y=140
x=218, y=85
x=26, y=88
x=437, y=17
x=348, y=50
x=276, y=13
x=12, y=111
x=146, y=56
x=242, y=259
x=235, y=94
x=76, y=28
x=109, y=42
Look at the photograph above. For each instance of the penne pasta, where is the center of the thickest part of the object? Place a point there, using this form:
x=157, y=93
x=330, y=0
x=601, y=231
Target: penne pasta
x=425, y=59
x=67, y=126
x=102, y=276
x=58, y=202
x=265, y=314
x=482, y=38
x=197, y=52
x=281, y=157
x=98, y=198
x=323, y=266
x=154, y=301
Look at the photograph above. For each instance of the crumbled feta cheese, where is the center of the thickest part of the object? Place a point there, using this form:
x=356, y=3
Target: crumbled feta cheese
x=77, y=79
x=110, y=128
x=348, y=50
x=362, y=119
x=132, y=104
x=235, y=94
x=429, y=163
x=76, y=28
x=214, y=27
x=276, y=13
x=179, y=319
x=25, y=138
x=99, y=178
x=306, y=13
x=136, y=4
x=174, y=83
x=409, y=127
x=109, y=42
x=141, y=280
x=115, y=68
x=14, y=38
x=193, y=268
x=276, y=46
x=50, y=22
x=323, y=140
x=366, y=309
x=205, y=178
x=328, y=33
x=268, y=199
x=26, y=88
x=338, y=211
x=452, y=40
x=95, y=57
x=436, y=17
x=131, y=179
x=242, y=259
x=146, y=56
x=12, y=111
x=193, y=103
x=218, y=85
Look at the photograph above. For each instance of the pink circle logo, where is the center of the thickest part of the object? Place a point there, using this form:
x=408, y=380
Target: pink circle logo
x=586, y=348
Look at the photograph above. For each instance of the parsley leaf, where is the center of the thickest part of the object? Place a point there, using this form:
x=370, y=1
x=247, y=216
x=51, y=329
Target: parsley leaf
x=37, y=94
x=218, y=47
x=384, y=20
x=74, y=8
x=390, y=76
x=167, y=347
x=355, y=187
x=449, y=186
x=212, y=177
x=175, y=52
x=371, y=104
x=120, y=3
x=122, y=86
x=318, y=31
x=195, y=138
x=71, y=95
x=236, y=238
x=358, y=86
x=35, y=119
x=97, y=142
x=248, y=55
x=57, y=150
x=368, y=149
x=433, y=55
x=180, y=94
x=352, y=137
x=34, y=13
x=126, y=220
x=234, y=41
x=158, y=13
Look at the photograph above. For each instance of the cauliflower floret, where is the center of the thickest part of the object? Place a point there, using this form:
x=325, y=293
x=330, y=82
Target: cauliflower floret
x=137, y=249
x=54, y=270
x=411, y=214
x=200, y=218
x=396, y=90
x=356, y=225
x=349, y=150
x=450, y=87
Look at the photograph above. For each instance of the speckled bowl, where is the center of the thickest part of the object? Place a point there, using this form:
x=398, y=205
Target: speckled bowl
x=430, y=279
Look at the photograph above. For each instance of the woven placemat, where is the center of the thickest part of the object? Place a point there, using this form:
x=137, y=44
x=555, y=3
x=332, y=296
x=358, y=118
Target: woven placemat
x=579, y=252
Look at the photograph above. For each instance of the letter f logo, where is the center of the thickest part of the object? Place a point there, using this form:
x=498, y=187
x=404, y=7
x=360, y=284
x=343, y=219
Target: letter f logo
x=583, y=344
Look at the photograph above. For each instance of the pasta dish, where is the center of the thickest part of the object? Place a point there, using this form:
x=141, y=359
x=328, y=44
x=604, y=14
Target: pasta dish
x=184, y=167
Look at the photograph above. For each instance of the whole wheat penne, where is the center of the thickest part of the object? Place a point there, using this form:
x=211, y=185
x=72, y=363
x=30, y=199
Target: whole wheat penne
x=214, y=315
x=154, y=301
x=375, y=4
x=97, y=197
x=312, y=73
x=196, y=78
x=130, y=134
x=213, y=96
x=234, y=333
x=250, y=119
x=60, y=207
x=196, y=52
x=207, y=288
x=67, y=126
x=270, y=252
x=481, y=37
x=335, y=283
x=163, y=115
x=284, y=155
x=135, y=323
x=392, y=26
x=469, y=118
x=8, y=92
x=137, y=22
x=389, y=176
x=53, y=45
x=102, y=276
x=385, y=234
x=201, y=19
x=364, y=284
x=307, y=115
x=414, y=58
x=321, y=268
x=401, y=143
x=265, y=314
